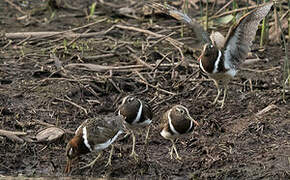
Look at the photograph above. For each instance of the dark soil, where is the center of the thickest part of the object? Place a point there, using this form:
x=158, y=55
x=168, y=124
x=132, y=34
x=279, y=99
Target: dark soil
x=231, y=143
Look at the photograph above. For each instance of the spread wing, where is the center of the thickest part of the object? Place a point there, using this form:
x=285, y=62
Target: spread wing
x=240, y=37
x=172, y=11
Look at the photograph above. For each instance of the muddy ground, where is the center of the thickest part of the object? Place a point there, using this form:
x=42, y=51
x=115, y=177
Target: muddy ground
x=42, y=83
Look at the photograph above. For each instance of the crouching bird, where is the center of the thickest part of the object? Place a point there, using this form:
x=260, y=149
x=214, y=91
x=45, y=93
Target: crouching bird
x=175, y=123
x=137, y=115
x=94, y=134
x=221, y=57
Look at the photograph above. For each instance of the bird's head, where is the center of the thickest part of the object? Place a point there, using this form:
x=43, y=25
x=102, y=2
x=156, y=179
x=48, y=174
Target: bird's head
x=129, y=107
x=181, y=112
x=209, y=53
x=72, y=152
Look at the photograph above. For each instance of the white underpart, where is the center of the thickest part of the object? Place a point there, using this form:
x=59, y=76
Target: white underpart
x=107, y=143
x=85, y=137
x=145, y=123
x=138, y=114
x=170, y=123
x=232, y=72
x=216, y=64
x=165, y=134
x=228, y=65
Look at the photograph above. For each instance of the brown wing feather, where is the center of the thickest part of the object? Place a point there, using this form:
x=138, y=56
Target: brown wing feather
x=148, y=111
x=164, y=120
x=172, y=11
x=103, y=128
x=240, y=37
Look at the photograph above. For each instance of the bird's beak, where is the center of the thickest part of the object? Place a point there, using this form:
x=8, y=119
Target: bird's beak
x=199, y=58
x=68, y=166
x=191, y=119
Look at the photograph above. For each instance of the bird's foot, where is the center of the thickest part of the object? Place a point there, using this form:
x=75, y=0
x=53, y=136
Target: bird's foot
x=109, y=163
x=215, y=100
x=91, y=165
x=134, y=155
x=222, y=102
x=177, y=156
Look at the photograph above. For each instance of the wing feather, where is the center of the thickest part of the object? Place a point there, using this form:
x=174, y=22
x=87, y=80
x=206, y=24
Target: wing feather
x=172, y=11
x=103, y=128
x=240, y=37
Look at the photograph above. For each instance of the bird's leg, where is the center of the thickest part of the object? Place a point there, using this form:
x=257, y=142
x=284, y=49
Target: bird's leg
x=109, y=163
x=219, y=93
x=177, y=155
x=251, y=85
x=147, y=135
x=133, y=153
x=225, y=95
x=93, y=162
x=175, y=150
x=126, y=135
x=171, y=150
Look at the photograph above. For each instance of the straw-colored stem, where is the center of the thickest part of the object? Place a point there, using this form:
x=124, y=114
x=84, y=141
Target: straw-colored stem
x=206, y=15
x=286, y=68
x=201, y=8
x=235, y=6
x=263, y=32
x=288, y=22
x=185, y=10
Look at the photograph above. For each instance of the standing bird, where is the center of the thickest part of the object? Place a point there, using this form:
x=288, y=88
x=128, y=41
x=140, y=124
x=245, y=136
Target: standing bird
x=221, y=57
x=176, y=122
x=137, y=114
x=94, y=134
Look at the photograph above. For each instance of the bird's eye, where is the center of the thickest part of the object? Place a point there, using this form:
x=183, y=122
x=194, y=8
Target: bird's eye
x=180, y=110
x=211, y=46
x=130, y=99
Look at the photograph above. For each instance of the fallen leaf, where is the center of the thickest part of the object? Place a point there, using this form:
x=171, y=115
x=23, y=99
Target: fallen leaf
x=225, y=19
x=49, y=135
